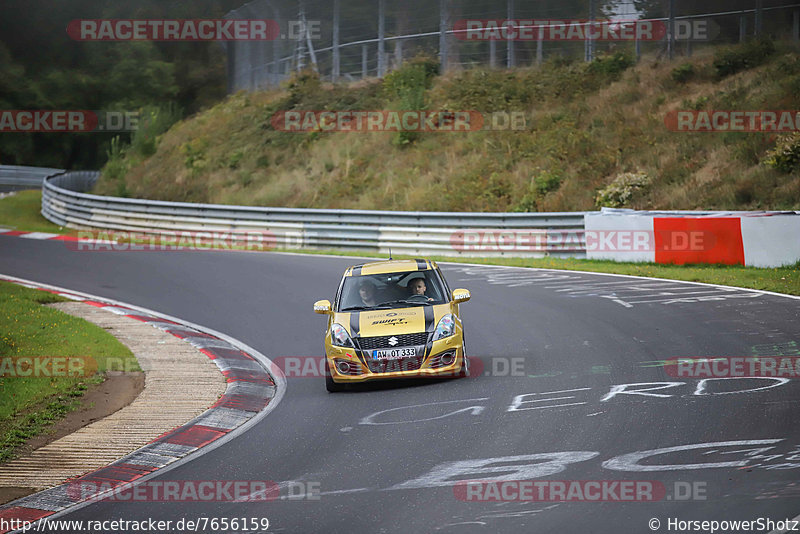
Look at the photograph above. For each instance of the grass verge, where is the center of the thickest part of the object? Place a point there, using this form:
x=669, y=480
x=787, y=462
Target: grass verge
x=28, y=405
x=21, y=211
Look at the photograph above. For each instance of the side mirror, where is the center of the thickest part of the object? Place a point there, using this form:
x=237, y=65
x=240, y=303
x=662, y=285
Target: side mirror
x=323, y=307
x=461, y=295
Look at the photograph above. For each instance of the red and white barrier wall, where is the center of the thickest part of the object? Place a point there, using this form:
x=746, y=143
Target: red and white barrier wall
x=755, y=239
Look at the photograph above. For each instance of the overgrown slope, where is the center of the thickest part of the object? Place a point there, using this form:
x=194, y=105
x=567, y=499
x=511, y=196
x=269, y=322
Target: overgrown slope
x=588, y=125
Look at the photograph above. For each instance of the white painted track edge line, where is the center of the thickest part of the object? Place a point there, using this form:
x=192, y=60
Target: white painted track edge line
x=765, y=292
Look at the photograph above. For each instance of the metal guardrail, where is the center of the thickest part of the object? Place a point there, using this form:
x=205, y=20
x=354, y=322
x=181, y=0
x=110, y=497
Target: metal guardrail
x=16, y=177
x=66, y=203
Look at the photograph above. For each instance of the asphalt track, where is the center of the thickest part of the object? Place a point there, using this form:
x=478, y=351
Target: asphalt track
x=570, y=338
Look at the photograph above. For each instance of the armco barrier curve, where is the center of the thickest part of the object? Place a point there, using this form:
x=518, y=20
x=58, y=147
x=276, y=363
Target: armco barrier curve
x=762, y=239
x=14, y=177
x=65, y=203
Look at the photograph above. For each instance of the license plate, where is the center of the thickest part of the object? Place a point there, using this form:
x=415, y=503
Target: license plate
x=394, y=354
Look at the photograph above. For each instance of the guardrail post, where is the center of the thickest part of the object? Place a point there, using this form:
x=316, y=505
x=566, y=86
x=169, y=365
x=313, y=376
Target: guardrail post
x=492, y=53
x=364, y=57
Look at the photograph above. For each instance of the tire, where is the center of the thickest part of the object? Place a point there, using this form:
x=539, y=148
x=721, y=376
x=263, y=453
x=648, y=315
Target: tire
x=330, y=385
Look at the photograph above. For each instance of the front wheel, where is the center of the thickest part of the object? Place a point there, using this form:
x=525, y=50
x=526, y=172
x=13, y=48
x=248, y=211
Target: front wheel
x=330, y=385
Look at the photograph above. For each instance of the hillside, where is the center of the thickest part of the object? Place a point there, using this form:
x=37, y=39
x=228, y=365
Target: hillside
x=590, y=127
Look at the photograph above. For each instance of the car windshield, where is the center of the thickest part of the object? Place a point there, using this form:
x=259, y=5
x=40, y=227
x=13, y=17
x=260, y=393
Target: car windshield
x=391, y=290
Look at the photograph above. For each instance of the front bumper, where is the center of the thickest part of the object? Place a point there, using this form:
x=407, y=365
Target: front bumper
x=431, y=365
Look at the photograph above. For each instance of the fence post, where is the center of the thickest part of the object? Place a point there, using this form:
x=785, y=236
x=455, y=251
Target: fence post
x=671, y=31
x=492, y=53
x=742, y=27
x=381, y=37
x=398, y=53
x=759, y=17
x=637, y=46
x=588, y=41
x=540, y=46
x=364, y=56
x=336, y=52
x=230, y=65
x=443, y=35
x=511, y=61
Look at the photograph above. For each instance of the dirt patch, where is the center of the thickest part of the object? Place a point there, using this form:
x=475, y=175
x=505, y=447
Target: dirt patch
x=115, y=392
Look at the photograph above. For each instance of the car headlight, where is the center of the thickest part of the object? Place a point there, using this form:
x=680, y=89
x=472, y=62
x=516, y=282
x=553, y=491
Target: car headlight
x=340, y=337
x=445, y=328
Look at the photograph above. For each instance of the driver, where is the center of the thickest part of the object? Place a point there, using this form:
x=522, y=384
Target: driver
x=417, y=287
x=366, y=290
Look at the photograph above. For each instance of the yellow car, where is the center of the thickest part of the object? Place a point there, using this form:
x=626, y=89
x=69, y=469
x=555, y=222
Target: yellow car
x=393, y=319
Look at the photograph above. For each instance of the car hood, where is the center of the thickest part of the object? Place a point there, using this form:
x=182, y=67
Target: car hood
x=371, y=323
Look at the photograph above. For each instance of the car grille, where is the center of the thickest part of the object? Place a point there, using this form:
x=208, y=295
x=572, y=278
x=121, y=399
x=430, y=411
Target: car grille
x=391, y=366
x=403, y=340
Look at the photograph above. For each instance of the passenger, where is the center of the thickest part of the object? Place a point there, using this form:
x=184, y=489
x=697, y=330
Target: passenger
x=366, y=290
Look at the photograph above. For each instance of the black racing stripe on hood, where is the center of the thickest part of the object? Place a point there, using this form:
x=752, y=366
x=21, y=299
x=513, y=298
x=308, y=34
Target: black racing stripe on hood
x=429, y=326
x=355, y=319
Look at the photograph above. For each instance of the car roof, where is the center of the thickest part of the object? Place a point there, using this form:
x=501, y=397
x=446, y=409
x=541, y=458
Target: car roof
x=390, y=266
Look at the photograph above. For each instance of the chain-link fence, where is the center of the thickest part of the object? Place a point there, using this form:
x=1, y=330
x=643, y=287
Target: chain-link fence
x=347, y=40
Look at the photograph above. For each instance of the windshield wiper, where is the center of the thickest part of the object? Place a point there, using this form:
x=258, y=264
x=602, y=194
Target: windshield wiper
x=361, y=308
x=414, y=302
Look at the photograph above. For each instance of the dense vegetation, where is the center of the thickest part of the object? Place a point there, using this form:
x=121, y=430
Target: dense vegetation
x=595, y=135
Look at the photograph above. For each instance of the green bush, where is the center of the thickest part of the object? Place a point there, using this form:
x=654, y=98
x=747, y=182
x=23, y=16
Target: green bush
x=153, y=121
x=683, y=73
x=117, y=167
x=611, y=65
x=540, y=184
x=406, y=87
x=413, y=76
x=623, y=189
x=785, y=157
x=752, y=53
